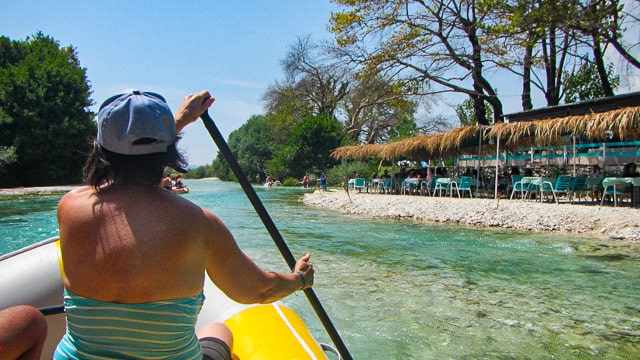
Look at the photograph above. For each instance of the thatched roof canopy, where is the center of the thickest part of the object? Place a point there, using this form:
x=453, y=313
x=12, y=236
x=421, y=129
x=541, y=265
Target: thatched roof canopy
x=418, y=147
x=622, y=123
x=597, y=120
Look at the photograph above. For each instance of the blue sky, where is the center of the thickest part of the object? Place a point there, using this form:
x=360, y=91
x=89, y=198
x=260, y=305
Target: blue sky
x=231, y=48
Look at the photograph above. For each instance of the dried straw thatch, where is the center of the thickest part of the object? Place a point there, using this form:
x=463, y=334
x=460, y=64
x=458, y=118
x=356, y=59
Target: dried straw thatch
x=623, y=123
x=418, y=147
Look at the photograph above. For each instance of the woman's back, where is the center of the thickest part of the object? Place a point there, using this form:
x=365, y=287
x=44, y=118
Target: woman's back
x=139, y=244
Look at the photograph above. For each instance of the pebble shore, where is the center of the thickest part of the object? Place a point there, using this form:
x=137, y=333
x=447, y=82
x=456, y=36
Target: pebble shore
x=620, y=223
x=42, y=190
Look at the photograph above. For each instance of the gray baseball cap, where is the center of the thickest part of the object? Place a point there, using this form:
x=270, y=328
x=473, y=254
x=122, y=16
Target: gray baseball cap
x=136, y=123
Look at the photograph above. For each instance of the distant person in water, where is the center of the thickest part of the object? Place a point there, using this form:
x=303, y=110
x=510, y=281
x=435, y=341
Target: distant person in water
x=130, y=260
x=305, y=181
x=167, y=182
x=179, y=183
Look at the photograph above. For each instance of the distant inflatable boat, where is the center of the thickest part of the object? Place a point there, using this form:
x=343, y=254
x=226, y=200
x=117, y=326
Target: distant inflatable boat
x=32, y=276
x=177, y=190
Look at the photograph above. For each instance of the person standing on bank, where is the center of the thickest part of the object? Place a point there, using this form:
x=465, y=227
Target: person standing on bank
x=136, y=255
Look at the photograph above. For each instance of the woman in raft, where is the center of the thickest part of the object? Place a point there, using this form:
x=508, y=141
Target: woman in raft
x=135, y=256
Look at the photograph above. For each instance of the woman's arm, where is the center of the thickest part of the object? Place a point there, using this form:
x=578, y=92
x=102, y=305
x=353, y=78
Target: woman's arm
x=242, y=279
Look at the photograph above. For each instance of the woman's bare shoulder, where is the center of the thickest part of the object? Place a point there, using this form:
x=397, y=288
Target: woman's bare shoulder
x=77, y=193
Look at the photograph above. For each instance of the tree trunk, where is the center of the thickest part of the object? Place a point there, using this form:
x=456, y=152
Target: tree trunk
x=527, y=104
x=479, y=110
x=602, y=69
x=550, y=57
x=498, y=112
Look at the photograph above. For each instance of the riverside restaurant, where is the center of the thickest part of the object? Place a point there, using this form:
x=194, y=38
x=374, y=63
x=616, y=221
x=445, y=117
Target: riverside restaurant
x=571, y=151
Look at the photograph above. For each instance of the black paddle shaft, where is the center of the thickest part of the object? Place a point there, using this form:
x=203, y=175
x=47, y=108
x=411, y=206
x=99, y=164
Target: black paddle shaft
x=273, y=231
x=52, y=310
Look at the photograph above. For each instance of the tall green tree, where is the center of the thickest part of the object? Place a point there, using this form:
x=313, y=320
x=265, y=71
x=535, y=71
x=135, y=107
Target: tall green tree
x=437, y=44
x=308, y=148
x=607, y=22
x=252, y=146
x=44, y=111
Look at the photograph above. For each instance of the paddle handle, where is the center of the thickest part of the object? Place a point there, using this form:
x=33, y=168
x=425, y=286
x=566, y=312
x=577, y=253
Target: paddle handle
x=52, y=310
x=271, y=228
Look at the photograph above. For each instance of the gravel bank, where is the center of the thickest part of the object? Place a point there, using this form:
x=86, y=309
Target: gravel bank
x=590, y=220
x=43, y=190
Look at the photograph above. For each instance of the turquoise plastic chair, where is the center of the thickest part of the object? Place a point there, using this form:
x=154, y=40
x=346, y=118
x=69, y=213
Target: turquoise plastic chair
x=561, y=186
x=577, y=186
x=429, y=187
x=465, y=185
x=385, y=186
x=359, y=184
x=442, y=184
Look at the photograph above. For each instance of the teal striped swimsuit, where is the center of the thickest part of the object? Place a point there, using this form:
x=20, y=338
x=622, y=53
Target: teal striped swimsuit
x=154, y=330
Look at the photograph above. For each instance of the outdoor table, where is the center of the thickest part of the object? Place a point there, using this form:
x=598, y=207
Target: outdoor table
x=535, y=184
x=410, y=183
x=529, y=184
x=446, y=184
x=352, y=184
x=374, y=184
x=614, y=181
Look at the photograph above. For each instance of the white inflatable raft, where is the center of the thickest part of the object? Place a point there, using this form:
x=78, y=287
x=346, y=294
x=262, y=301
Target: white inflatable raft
x=32, y=276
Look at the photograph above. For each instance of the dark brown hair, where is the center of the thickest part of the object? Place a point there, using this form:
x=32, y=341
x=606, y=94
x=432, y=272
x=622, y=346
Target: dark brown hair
x=104, y=167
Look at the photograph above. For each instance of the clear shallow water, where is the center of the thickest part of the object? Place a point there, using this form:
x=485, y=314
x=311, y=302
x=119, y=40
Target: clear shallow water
x=404, y=290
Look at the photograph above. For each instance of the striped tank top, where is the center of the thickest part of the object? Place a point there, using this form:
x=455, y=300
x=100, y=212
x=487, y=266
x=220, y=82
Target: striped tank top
x=154, y=330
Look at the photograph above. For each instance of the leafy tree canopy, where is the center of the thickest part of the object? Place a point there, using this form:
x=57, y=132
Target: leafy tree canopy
x=252, y=146
x=44, y=116
x=308, y=149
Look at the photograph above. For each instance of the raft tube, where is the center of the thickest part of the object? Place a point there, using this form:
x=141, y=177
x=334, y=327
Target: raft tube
x=273, y=331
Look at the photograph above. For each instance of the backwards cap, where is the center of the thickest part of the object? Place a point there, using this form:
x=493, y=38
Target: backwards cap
x=136, y=123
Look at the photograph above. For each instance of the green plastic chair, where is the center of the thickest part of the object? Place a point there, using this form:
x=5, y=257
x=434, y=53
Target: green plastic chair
x=561, y=186
x=429, y=187
x=577, y=186
x=359, y=184
x=516, y=184
x=465, y=185
x=385, y=186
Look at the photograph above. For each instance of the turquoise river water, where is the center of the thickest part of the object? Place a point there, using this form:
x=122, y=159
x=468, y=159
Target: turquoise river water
x=398, y=289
